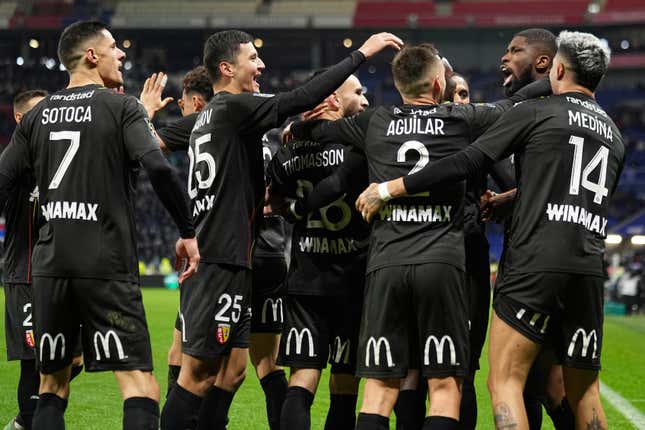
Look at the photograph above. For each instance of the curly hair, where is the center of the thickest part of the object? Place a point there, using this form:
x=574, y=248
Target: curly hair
x=197, y=81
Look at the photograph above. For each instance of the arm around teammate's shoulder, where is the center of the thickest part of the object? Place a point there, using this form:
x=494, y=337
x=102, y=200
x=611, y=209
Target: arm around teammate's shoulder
x=349, y=131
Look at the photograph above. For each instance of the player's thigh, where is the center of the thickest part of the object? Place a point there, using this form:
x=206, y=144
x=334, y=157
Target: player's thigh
x=304, y=343
x=581, y=331
x=56, y=322
x=440, y=307
x=478, y=294
x=215, y=310
x=383, y=345
x=267, y=295
x=115, y=332
x=19, y=326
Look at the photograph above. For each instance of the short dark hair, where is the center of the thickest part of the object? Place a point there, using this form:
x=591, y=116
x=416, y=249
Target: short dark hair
x=71, y=39
x=451, y=86
x=21, y=99
x=410, y=67
x=542, y=38
x=223, y=46
x=587, y=56
x=197, y=81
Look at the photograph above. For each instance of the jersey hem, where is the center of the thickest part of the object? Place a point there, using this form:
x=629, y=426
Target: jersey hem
x=372, y=268
x=124, y=278
x=244, y=264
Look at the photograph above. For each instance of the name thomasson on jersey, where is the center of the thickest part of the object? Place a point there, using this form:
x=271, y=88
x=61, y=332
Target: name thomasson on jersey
x=70, y=210
x=331, y=157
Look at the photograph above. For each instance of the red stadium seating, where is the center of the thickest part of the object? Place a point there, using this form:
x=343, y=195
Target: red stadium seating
x=621, y=11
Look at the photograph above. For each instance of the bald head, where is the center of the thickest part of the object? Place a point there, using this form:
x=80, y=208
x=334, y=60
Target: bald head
x=25, y=101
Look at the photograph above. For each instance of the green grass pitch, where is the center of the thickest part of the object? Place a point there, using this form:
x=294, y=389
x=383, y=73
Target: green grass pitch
x=95, y=403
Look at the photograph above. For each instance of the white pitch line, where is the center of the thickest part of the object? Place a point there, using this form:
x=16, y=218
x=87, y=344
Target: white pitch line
x=632, y=414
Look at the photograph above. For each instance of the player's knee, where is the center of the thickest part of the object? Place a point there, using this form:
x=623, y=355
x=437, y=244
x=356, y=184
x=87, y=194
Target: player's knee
x=236, y=377
x=449, y=386
x=57, y=383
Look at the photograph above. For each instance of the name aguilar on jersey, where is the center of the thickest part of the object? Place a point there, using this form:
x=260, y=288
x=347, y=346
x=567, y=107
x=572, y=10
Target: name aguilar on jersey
x=576, y=214
x=69, y=114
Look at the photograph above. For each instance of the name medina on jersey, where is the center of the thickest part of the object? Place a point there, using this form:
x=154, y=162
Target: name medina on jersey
x=70, y=210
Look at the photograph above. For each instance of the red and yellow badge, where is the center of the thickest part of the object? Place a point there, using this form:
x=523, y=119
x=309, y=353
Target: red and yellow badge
x=29, y=338
x=223, y=332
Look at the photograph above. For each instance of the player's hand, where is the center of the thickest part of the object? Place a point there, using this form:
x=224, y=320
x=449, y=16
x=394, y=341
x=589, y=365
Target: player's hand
x=495, y=206
x=186, y=257
x=377, y=42
x=151, y=93
x=287, y=136
x=369, y=202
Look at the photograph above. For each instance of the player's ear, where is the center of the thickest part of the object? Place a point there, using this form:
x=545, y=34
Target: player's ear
x=561, y=71
x=17, y=116
x=542, y=64
x=226, y=69
x=334, y=102
x=91, y=57
x=198, y=102
x=436, y=88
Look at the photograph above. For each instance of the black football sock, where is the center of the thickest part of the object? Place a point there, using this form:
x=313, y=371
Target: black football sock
x=440, y=423
x=49, y=413
x=372, y=422
x=409, y=412
x=76, y=370
x=181, y=410
x=27, y=392
x=173, y=374
x=342, y=412
x=533, y=408
x=562, y=416
x=275, y=389
x=213, y=414
x=140, y=413
x=296, y=409
x=468, y=407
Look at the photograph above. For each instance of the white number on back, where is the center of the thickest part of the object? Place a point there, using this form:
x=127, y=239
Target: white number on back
x=324, y=222
x=75, y=138
x=424, y=157
x=600, y=158
x=195, y=157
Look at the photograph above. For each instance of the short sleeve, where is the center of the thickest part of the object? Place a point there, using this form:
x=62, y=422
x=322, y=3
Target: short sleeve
x=139, y=134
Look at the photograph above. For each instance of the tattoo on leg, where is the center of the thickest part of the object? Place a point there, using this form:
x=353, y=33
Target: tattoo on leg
x=595, y=423
x=504, y=417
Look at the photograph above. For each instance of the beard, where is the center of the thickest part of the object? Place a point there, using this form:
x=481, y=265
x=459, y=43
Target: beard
x=522, y=80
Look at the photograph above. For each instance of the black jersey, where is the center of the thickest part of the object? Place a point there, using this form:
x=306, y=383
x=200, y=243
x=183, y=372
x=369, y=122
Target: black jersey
x=226, y=180
x=398, y=141
x=82, y=145
x=21, y=232
x=328, y=243
x=272, y=237
x=568, y=156
x=177, y=134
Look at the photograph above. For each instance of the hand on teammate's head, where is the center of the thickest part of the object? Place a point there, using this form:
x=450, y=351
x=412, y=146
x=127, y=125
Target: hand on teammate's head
x=186, y=257
x=151, y=93
x=377, y=42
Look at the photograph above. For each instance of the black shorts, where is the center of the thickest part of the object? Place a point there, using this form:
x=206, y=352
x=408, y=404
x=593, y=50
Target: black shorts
x=108, y=316
x=565, y=307
x=414, y=316
x=18, y=324
x=267, y=294
x=321, y=329
x=215, y=310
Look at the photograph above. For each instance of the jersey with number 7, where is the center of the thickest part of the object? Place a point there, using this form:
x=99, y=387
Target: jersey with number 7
x=83, y=145
x=568, y=158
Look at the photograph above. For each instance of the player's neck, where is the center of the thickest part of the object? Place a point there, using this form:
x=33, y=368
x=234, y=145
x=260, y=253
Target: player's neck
x=570, y=87
x=331, y=115
x=229, y=87
x=424, y=99
x=80, y=78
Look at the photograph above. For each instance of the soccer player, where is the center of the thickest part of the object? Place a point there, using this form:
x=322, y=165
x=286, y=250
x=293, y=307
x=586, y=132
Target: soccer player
x=414, y=312
x=569, y=155
x=82, y=144
x=226, y=185
x=327, y=272
x=20, y=236
x=457, y=89
x=196, y=92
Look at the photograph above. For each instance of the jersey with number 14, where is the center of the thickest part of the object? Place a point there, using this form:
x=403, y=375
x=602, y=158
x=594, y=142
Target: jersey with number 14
x=568, y=158
x=83, y=145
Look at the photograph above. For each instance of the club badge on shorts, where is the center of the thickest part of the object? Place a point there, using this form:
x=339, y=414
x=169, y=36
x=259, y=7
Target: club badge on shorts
x=29, y=339
x=223, y=332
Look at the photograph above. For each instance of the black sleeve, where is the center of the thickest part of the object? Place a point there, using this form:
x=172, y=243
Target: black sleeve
x=176, y=135
x=503, y=174
x=139, y=134
x=349, y=131
x=456, y=167
x=168, y=187
x=481, y=116
x=14, y=161
x=257, y=113
x=354, y=168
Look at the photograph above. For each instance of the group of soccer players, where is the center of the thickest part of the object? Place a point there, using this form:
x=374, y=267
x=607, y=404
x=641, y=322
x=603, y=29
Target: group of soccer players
x=403, y=303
